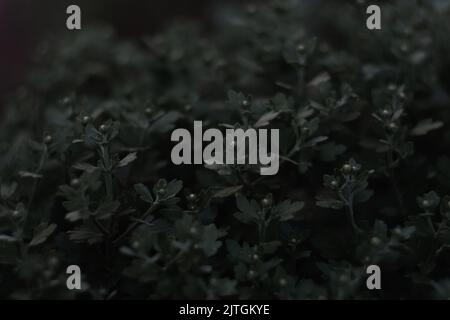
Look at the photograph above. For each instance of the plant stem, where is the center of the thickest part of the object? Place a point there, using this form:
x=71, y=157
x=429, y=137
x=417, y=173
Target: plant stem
x=107, y=172
x=350, y=213
x=394, y=183
x=107, y=167
x=36, y=181
x=100, y=227
x=173, y=260
x=430, y=224
x=301, y=81
x=136, y=223
x=351, y=216
x=142, y=136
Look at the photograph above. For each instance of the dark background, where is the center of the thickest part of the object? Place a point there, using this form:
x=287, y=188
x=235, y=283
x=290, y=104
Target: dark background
x=24, y=23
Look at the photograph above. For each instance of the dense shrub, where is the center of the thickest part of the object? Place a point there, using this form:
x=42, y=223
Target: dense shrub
x=86, y=175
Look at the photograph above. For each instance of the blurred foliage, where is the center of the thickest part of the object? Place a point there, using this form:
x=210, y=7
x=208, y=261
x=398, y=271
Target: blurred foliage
x=86, y=176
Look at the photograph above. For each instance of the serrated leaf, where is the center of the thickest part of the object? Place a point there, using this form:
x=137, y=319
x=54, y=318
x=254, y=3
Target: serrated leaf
x=172, y=188
x=363, y=196
x=6, y=238
x=250, y=209
x=270, y=247
x=74, y=216
x=127, y=160
x=319, y=79
x=85, y=234
x=266, y=118
x=330, y=204
x=26, y=174
x=165, y=123
x=380, y=229
x=425, y=126
x=244, y=218
x=7, y=190
x=233, y=248
x=127, y=251
x=315, y=141
x=106, y=209
x=227, y=192
x=209, y=243
x=85, y=167
x=143, y=192
x=36, y=146
x=285, y=210
x=41, y=233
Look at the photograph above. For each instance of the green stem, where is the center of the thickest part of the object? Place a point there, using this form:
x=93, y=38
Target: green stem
x=100, y=227
x=107, y=175
x=142, y=136
x=173, y=260
x=262, y=232
x=351, y=216
x=430, y=224
x=109, y=186
x=350, y=213
x=153, y=207
x=394, y=183
x=301, y=81
x=262, y=226
x=107, y=172
x=36, y=181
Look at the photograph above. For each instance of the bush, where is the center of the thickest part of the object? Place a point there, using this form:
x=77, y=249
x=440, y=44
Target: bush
x=86, y=176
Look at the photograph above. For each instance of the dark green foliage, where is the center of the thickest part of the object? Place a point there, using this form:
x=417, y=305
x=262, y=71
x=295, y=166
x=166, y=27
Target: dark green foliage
x=86, y=175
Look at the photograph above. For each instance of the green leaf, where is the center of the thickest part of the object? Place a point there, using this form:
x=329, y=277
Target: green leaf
x=380, y=229
x=270, y=247
x=41, y=233
x=85, y=233
x=92, y=135
x=226, y=192
x=127, y=160
x=9, y=252
x=266, y=118
x=74, y=216
x=286, y=209
x=165, y=123
x=143, y=192
x=363, y=196
x=314, y=141
x=172, y=188
x=7, y=190
x=233, y=248
x=26, y=174
x=249, y=209
x=85, y=167
x=244, y=218
x=209, y=243
x=106, y=209
x=330, y=204
x=425, y=126
x=236, y=99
